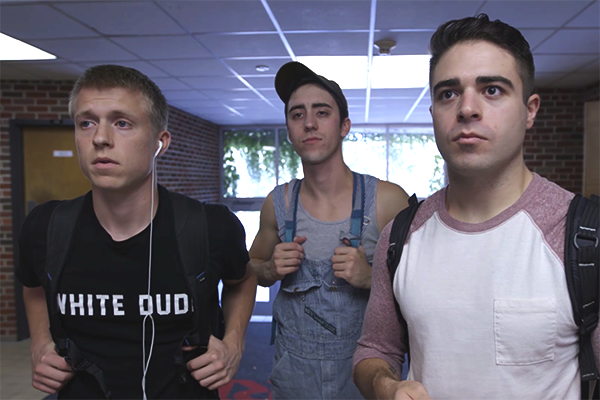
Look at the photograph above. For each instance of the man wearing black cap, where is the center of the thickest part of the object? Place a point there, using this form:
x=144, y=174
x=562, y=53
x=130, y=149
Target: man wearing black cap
x=317, y=236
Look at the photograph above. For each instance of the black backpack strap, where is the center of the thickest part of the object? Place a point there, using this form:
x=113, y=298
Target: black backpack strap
x=59, y=237
x=399, y=232
x=192, y=241
x=398, y=235
x=581, y=268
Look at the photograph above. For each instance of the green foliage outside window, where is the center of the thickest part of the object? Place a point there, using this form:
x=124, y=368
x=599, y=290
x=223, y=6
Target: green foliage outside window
x=396, y=144
x=258, y=151
x=257, y=147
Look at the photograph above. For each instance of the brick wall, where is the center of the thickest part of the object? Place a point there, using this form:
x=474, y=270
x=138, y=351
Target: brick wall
x=191, y=166
x=554, y=145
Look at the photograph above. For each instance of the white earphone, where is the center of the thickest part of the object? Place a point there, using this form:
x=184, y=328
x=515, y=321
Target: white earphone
x=146, y=359
x=160, y=145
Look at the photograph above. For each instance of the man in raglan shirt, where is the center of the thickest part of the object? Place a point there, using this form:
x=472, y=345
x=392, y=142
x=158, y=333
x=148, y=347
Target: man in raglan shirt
x=481, y=283
x=317, y=237
x=120, y=118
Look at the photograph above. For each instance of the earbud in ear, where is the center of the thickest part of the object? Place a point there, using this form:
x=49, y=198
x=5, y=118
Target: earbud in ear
x=160, y=145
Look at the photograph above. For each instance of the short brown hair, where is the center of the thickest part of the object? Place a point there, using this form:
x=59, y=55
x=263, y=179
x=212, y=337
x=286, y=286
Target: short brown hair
x=116, y=76
x=480, y=28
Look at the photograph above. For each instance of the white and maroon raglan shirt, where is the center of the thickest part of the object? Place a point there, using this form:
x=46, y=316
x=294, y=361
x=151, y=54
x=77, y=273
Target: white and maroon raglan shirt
x=486, y=309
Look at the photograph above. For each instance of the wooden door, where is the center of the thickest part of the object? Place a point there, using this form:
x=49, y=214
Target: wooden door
x=50, y=166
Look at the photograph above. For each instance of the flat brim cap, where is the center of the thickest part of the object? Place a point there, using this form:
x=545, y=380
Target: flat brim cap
x=292, y=74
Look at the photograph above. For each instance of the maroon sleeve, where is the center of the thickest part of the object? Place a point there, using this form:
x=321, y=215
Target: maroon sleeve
x=383, y=335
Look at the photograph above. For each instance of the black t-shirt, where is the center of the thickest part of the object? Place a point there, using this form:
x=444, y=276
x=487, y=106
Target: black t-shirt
x=103, y=296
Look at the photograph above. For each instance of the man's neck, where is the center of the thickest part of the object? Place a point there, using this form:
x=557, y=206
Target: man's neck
x=124, y=214
x=478, y=199
x=326, y=180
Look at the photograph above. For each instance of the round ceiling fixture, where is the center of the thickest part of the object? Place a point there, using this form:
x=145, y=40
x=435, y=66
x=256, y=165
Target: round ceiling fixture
x=262, y=68
x=385, y=46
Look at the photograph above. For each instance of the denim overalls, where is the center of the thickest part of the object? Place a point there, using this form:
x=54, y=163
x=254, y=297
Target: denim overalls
x=318, y=317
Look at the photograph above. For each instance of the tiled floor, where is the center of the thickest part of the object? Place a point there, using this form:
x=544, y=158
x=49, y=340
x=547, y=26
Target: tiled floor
x=15, y=372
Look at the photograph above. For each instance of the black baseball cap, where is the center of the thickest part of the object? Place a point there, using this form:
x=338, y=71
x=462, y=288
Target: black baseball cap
x=294, y=74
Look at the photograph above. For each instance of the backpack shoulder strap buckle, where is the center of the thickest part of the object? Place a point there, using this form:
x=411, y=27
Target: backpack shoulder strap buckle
x=588, y=324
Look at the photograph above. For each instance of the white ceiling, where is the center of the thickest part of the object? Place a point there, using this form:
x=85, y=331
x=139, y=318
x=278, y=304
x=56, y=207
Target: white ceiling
x=203, y=54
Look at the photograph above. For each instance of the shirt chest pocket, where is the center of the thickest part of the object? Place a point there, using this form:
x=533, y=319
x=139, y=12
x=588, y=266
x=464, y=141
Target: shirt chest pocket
x=524, y=330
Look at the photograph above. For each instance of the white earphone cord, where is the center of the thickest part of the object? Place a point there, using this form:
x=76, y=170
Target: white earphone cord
x=145, y=363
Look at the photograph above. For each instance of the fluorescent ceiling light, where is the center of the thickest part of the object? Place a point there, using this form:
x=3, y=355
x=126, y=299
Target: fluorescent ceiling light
x=13, y=49
x=350, y=72
x=400, y=72
x=387, y=72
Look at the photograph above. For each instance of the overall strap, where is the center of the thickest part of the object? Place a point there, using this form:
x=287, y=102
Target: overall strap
x=581, y=269
x=358, y=208
x=290, y=225
x=192, y=241
x=59, y=237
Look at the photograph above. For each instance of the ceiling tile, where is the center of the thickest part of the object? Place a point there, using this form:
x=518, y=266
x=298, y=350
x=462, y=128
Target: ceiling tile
x=355, y=93
x=329, y=44
x=421, y=14
x=183, y=95
x=230, y=94
x=536, y=36
x=39, y=21
x=123, y=18
x=263, y=82
x=261, y=45
x=354, y=103
x=85, y=49
x=214, y=82
x=248, y=67
x=201, y=67
x=591, y=67
x=271, y=94
x=572, y=41
x=170, y=84
x=322, y=15
x=219, y=16
x=527, y=14
x=198, y=104
x=561, y=63
x=589, y=18
x=163, y=47
x=142, y=66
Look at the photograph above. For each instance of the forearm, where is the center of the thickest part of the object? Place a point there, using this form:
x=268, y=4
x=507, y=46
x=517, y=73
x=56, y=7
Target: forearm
x=375, y=379
x=263, y=271
x=238, y=304
x=37, y=316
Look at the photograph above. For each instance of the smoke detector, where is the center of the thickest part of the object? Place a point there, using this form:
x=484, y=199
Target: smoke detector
x=385, y=46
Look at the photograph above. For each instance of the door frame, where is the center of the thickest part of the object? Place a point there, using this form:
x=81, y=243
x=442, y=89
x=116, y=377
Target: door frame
x=17, y=202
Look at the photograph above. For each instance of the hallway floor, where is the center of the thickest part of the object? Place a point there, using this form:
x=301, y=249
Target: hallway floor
x=15, y=372
x=251, y=381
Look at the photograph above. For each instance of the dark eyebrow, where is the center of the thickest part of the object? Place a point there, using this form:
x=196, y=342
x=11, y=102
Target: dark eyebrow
x=297, y=107
x=495, y=79
x=314, y=105
x=114, y=114
x=318, y=105
x=447, y=83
